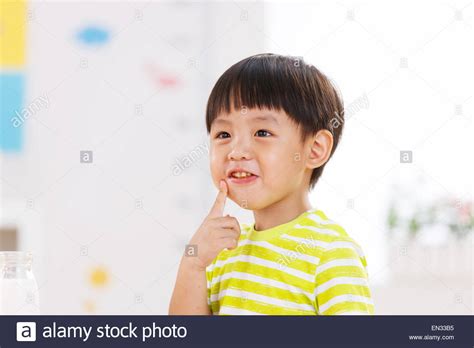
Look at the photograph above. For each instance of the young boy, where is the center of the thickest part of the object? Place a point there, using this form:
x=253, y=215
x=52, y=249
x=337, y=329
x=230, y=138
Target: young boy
x=274, y=121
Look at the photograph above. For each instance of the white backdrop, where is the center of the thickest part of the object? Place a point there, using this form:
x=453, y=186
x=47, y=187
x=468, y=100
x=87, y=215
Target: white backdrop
x=108, y=235
x=404, y=69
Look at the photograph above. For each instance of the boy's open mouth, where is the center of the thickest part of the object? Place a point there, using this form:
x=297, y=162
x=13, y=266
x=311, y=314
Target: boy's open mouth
x=241, y=176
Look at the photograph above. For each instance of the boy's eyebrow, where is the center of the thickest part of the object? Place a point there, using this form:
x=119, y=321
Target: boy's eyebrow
x=221, y=120
x=264, y=117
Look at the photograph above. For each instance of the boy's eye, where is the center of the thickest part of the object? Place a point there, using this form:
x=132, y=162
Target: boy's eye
x=222, y=135
x=263, y=133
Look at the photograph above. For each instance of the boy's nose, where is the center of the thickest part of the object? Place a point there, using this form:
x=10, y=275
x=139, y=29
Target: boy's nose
x=239, y=153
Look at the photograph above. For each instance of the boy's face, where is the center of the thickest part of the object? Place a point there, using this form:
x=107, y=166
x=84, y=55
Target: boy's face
x=265, y=143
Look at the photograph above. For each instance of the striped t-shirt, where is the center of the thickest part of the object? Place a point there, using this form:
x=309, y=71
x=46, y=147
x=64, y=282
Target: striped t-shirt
x=307, y=266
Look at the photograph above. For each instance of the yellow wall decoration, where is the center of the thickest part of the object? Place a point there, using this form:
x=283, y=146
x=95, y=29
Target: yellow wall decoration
x=89, y=306
x=12, y=33
x=99, y=277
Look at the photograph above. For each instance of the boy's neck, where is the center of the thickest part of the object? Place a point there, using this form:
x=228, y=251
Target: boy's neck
x=283, y=211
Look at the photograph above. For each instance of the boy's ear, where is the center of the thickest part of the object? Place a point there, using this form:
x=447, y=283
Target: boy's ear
x=320, y=147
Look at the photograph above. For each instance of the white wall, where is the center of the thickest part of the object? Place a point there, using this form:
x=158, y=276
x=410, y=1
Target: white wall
x=425, y=107
x=125, y=213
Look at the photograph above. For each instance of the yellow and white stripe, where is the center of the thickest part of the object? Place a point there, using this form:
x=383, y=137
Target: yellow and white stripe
x=308, y=266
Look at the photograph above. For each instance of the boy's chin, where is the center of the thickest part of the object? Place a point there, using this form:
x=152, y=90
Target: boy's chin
x=248, y=203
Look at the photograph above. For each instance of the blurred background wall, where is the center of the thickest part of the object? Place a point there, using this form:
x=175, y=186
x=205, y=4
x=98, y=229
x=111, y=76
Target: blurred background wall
x=104, y=154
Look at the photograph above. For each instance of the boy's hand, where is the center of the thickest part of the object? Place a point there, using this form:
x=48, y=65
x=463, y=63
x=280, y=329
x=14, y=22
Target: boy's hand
x=216, y=233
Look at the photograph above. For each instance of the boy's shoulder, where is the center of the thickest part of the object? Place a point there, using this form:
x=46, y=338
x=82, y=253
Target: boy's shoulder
x=313, y=228
x=312, y=236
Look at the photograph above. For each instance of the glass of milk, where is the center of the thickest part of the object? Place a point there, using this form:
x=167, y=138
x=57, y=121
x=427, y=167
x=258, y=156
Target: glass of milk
x=18, y=287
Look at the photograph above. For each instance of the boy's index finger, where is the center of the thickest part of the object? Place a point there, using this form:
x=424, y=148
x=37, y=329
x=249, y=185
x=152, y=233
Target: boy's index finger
x=217, y=209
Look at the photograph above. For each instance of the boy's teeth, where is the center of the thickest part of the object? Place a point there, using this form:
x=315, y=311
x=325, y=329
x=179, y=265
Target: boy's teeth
x=241, y=174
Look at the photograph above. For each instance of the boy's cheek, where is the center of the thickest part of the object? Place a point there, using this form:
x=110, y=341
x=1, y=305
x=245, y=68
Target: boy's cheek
x=215, y=173
x=215, y=180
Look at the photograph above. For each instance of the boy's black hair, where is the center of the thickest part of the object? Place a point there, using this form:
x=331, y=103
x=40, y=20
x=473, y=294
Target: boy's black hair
x=279, y=83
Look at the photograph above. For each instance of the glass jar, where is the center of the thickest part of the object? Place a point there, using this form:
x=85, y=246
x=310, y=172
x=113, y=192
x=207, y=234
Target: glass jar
x=18, y=287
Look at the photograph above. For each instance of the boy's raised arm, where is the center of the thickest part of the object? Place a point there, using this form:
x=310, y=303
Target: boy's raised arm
x=216, y=233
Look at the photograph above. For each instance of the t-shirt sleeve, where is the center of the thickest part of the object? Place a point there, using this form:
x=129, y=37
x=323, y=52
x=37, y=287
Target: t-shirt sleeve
x=209, y=276
x=341, y=280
